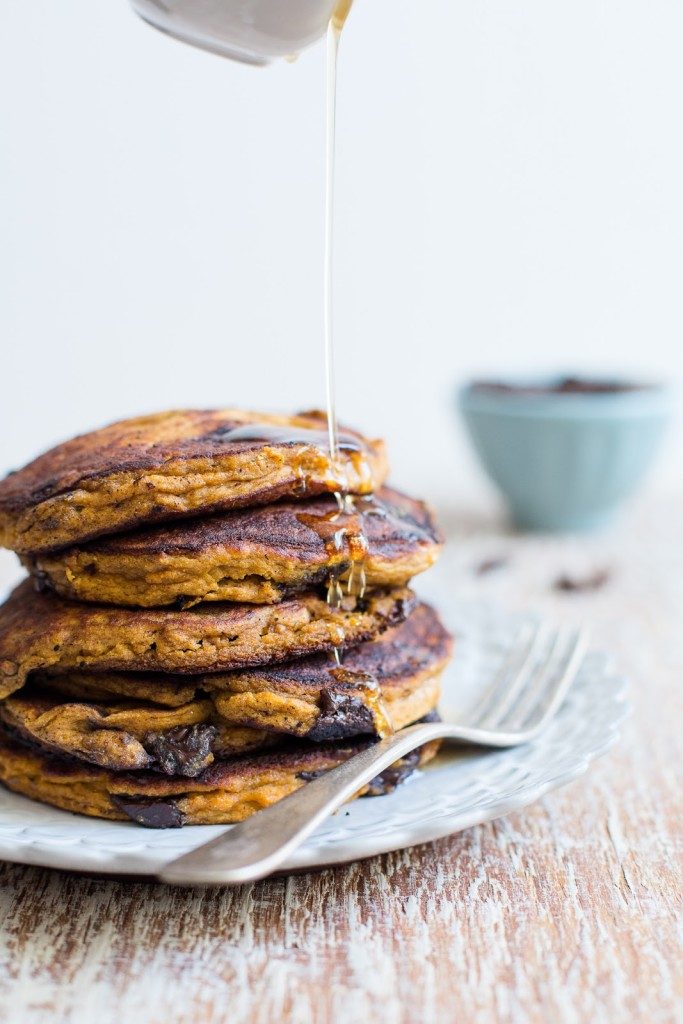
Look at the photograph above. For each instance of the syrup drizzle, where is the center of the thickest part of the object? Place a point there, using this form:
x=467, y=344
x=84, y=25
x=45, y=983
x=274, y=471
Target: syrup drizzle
x=334, y=31
x=346, y=523
x=333, y=37
x=353, y=537
x=342, y=530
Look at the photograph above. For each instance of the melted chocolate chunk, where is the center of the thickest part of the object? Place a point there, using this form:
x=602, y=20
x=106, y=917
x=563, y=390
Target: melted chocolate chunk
x=311, y=776
x=341, y=717
x=390, y=778
x=150, y=813
x=185, y=750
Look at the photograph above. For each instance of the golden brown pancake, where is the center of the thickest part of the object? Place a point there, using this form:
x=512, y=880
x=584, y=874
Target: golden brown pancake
x=380, y=687
x=177, y=464
x=45, y=632
x=383, y=685
x=131, y=735
x=227, y=791
x=260, y=555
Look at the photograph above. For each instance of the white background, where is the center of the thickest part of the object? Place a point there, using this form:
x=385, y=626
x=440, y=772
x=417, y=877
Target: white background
x=510, y=197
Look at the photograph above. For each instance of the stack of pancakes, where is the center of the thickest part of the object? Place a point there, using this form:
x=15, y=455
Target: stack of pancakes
x=217, y=611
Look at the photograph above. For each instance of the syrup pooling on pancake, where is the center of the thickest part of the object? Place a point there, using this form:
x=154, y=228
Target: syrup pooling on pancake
x=312, y=440
x=287, y=435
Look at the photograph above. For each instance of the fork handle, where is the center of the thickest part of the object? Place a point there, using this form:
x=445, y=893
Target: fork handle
x=258, y=846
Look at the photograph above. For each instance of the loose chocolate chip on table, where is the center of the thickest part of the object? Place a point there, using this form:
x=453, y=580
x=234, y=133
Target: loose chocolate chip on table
x=578, y=584
x=491, y=565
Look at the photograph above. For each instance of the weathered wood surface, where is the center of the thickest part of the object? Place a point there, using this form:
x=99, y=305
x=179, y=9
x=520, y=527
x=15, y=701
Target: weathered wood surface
x=567, y=912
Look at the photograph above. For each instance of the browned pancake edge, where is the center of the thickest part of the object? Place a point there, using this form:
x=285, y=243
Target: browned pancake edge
x=172, y=465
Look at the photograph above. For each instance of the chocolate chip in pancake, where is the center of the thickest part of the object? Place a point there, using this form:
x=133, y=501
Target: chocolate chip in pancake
x=130, y=735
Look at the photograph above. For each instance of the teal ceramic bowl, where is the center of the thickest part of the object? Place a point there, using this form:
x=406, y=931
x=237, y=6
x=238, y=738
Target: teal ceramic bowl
x=565, y=459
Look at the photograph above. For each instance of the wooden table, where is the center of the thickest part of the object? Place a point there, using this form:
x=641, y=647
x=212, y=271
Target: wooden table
x=567, y=912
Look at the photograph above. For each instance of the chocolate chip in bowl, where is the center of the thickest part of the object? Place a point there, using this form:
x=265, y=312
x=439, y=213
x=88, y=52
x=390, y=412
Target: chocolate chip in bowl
x=563, y=386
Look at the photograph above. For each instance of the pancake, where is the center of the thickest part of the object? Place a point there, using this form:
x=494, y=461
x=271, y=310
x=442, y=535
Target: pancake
x=258, y=555
x=45, y=632
x=129, y=736
x=177, y=464
x=383, y=685
x=315, y=698
x=226, y=792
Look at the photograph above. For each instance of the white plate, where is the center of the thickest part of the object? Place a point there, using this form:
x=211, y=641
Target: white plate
x=460, y=789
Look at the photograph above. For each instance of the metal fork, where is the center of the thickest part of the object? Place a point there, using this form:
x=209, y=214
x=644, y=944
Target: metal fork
x=523, y=696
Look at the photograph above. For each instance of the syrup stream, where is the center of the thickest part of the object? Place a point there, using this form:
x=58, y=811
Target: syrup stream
x=347, y=521
x=334, y=30
x=333, y=36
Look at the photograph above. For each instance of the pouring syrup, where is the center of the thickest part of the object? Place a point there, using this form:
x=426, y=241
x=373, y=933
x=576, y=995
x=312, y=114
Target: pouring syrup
x=334, y=31
x=342, y=527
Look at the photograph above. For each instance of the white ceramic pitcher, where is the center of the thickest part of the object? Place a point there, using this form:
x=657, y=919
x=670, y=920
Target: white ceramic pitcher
x=253, y=31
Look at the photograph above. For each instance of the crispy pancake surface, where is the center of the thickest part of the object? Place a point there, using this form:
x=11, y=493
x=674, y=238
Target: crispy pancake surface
x=177, y=464
x=385, y=685
x=259, y=555
x=45, y=632
x=225, y=792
